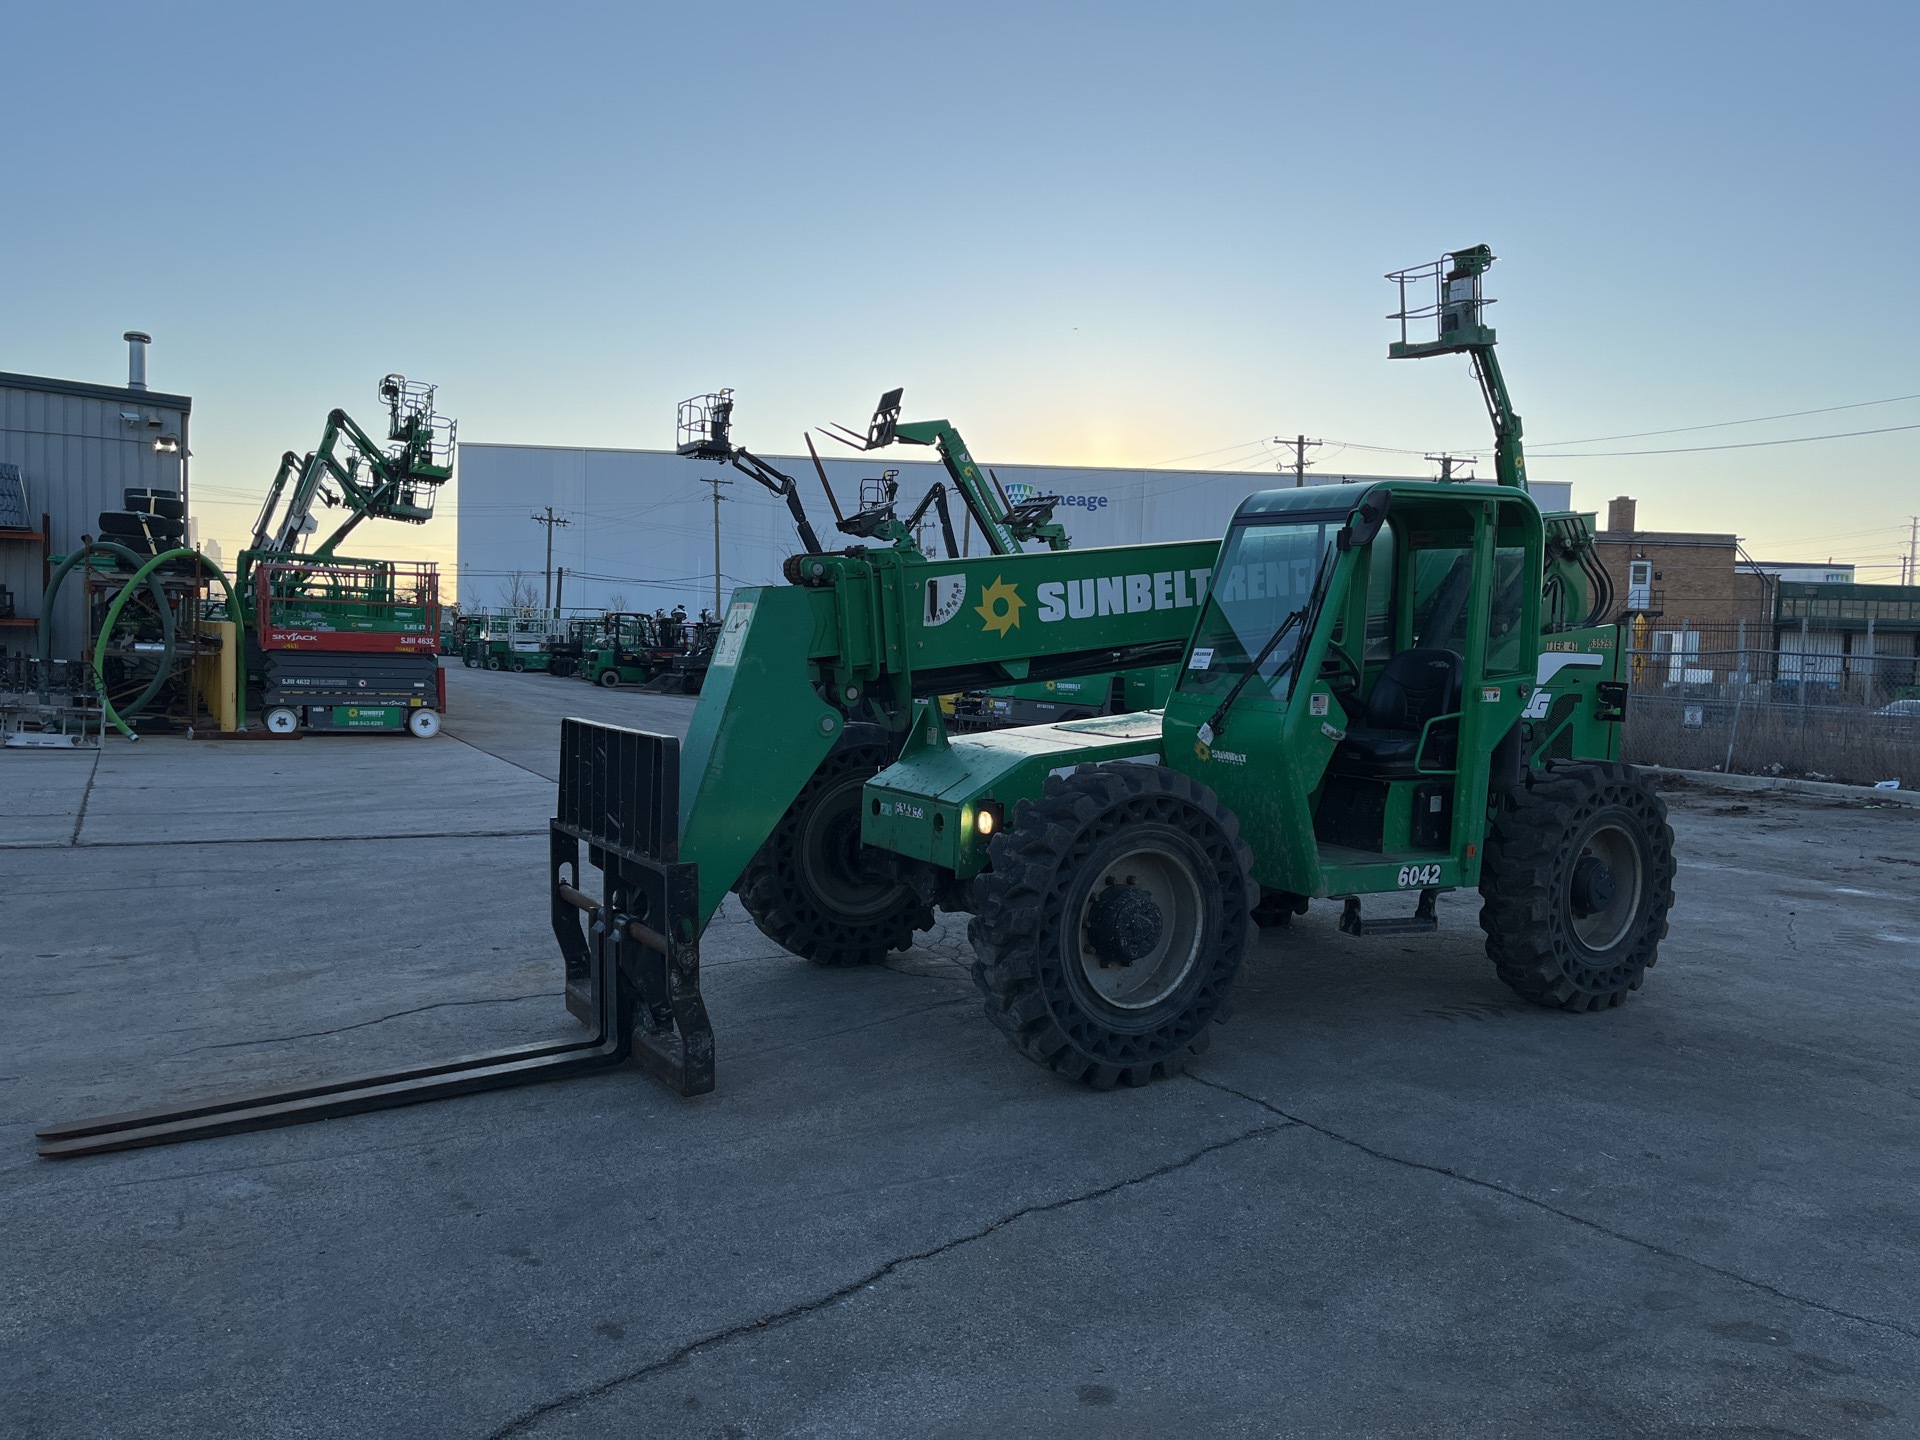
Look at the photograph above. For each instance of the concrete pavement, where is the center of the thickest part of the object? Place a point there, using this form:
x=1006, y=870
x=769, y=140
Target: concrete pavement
x=1391, y=1200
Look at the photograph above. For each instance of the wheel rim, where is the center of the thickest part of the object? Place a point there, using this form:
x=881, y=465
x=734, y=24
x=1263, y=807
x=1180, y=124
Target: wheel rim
x=282, y=722
x=1604, y=886
x=828, y=855
x=1142, y=975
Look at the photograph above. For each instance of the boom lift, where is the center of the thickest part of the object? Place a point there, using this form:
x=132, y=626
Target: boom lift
x=399, y=482
x=335, y=642
x=1401, y=693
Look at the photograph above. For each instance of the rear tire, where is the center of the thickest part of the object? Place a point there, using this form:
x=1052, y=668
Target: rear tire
x=281, y=720
x=424, y=723
x=493, y=662
x=1576, y=885
x=1122, y=989
x=805, y=889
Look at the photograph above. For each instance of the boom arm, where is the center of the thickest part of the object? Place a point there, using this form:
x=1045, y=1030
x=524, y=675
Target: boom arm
x=1005, y=526
x=783, y=485
x=1458, y=312
x=858, y=638
x=392, y=485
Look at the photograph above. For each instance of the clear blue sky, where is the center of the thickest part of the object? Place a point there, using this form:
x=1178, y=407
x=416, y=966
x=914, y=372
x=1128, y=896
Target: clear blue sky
x=1102, y=233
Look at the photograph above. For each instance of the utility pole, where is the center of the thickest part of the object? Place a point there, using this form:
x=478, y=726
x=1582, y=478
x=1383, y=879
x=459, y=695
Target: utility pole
x=1447, y=462
x=716, y=483
x=550, y=520
x=1299, y=446
x=1910, y=567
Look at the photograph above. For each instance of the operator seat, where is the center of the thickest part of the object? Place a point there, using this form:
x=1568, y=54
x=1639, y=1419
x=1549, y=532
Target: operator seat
x=1415, y=686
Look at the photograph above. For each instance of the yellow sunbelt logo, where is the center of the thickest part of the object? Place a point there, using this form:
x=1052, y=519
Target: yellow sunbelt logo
x=1000, y=606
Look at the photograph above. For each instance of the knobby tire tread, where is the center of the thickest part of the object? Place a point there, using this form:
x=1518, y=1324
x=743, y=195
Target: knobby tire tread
x=1018, y=909
x=1524, y=870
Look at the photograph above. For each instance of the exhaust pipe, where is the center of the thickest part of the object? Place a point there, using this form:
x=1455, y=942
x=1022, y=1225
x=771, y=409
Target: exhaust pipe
x=137, y=342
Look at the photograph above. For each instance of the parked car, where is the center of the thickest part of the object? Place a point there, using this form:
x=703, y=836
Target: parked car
x=1909, y=709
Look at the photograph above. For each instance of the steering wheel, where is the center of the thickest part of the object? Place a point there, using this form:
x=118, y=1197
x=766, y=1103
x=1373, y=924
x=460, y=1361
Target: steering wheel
x=1345, y=678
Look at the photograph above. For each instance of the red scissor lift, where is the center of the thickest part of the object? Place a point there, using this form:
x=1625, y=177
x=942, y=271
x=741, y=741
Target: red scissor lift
x=348, y=645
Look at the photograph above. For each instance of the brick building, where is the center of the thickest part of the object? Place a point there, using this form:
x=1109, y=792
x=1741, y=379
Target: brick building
x=1682, y=580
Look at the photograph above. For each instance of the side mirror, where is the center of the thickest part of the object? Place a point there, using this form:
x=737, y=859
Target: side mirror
x=1365, y=521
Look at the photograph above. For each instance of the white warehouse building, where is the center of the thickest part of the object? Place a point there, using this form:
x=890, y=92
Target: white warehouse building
x=640, y=523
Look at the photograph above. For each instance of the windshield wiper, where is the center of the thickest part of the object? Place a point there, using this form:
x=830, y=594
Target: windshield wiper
x=1216, y=723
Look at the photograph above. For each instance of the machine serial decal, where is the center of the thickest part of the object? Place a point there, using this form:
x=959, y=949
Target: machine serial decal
x=903, y=809
x=945, y=595
x=1421, y=875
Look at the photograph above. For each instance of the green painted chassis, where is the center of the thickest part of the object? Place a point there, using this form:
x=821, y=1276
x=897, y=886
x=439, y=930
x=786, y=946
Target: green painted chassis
x=1270, y=764
x=846, y=654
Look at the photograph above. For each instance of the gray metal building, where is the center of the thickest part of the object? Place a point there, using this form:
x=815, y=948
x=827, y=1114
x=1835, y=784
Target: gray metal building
x=640, y=523
x=78, y=446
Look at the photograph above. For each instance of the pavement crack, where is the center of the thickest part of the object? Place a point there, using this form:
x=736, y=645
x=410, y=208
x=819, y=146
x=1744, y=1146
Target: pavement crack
x=501, y=758
x=378, y=1020
x=573, y=1398
x=86, y=795
x=1650, y=1246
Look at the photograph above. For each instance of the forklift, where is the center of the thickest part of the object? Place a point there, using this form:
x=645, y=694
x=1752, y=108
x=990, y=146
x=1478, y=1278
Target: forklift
x=1382, y=697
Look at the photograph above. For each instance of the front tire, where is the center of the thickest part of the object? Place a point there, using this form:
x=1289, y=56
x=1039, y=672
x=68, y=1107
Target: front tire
x=281, y=720
x=424, y=723
x=608, y=679
x=1576, y=885
x=1112, y=925
x=806, y=889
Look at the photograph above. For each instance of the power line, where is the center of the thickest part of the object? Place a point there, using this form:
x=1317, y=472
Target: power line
x=1743, y=445
x=1722, y=424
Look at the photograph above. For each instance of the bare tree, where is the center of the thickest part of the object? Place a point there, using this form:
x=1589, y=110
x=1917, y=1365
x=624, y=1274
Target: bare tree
x=520, y=593
x=617, y=601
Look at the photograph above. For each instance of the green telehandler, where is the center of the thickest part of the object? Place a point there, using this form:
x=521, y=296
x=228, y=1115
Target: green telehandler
x=1390, y=693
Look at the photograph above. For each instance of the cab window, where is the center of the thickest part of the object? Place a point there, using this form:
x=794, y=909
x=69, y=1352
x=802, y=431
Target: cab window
x=1506, y=611
x=1380, y=592
x=1442, y=586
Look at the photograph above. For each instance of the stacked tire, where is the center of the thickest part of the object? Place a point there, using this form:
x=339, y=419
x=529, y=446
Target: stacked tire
x=153, y=522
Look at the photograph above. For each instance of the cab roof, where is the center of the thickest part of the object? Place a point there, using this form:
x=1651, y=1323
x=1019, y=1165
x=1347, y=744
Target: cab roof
x=1341, y=500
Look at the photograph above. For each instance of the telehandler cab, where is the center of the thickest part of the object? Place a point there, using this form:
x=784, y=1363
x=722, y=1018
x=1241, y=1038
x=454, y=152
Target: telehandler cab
x=1395, y=692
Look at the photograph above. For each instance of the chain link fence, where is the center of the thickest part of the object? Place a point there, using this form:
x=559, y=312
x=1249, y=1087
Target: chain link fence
x=1824, y=705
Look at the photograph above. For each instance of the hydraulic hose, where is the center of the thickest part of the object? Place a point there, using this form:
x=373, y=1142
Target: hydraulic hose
x=145, y=574
x=92, y=547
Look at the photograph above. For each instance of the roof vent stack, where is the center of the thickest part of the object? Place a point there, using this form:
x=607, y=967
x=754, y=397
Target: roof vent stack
x=137, y=342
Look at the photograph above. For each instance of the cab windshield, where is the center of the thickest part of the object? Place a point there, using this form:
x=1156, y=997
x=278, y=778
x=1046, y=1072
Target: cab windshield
x=1266, y=574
